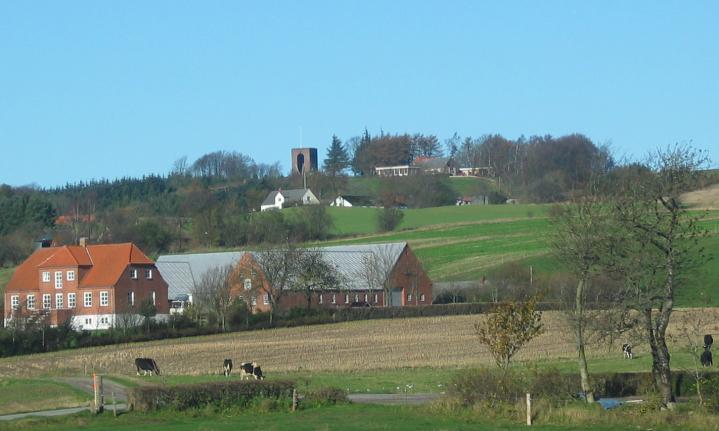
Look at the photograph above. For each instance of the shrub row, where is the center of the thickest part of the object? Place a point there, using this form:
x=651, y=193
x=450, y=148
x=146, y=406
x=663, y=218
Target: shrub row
x=216, y=394
x=487, y=385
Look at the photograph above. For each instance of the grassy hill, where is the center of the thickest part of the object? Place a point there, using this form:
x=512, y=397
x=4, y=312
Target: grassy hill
x=468, y=242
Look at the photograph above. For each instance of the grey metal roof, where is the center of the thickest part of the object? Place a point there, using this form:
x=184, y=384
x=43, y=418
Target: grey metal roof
x=182, y=272
x=351, y=260
x=270, y=199
x=435, y=163
x=293, y=195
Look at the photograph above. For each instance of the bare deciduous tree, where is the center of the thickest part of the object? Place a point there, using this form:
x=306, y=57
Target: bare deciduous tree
x=213, y=293
x=377, y=267
x=280, y=267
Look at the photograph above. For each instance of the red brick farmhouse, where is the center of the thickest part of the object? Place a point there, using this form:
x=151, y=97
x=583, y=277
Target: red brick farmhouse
x=94, y=285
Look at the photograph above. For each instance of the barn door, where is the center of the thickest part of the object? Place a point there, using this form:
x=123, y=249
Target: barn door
x=396, y=298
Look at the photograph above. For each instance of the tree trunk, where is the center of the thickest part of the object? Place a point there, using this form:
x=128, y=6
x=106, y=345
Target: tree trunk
x=579, y=334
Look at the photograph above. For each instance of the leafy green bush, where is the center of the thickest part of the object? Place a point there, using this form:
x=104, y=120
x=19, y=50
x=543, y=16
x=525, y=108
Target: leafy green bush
x=231, y=394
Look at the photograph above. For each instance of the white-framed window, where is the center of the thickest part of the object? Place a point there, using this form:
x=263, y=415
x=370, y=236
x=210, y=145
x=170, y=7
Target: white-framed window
x=46, y=298
x=356, y=297
x=71, y=300
x=320, y=299
x=266, y=298
x=31, y=302
x=104, y=320
x=46, y=276
x=58, y=301
x=154, y=298
x=131, y=298
x=409, y=297
x=376, y=298
x=88, y=321
x=87, y=299
x=334, y=298
x=148, y=274
x=58, y=279
x=366, y=299
x=254, y=300
x=15, y=302
x=70, y=275
x=247, y=284
x=133, y=273
x=421, y=298
x=347, y=298
x=104, y=299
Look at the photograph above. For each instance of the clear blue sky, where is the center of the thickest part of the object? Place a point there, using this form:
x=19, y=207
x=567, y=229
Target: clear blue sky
x=104, y=89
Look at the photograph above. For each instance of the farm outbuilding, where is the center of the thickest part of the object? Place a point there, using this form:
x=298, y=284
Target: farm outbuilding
x=356, y=266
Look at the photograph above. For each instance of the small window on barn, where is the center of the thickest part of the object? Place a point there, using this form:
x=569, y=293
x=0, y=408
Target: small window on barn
x=131, y=298
x=248, y=284
x=71, y=300
x=347, y=299
x=15, y=302
x=58, y=301
x=133, y=274
x=58, y=279
x=154, y=298
x=266, y=298
x=356, y=297
x=409, y=297
x=366, y=299
x=334, y=298
x=320, y=299
x=70, y=275
x=87, y=299
x=104, y=299
x=31, y=302
x=148, y=274
x=46, y=301
x=421, y=298
x=46, y=276
x=376, y=298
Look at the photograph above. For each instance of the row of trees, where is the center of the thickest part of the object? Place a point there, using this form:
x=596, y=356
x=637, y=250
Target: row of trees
x=631, y=224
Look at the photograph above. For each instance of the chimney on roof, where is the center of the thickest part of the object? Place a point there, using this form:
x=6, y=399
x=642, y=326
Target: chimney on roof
x=83, y=241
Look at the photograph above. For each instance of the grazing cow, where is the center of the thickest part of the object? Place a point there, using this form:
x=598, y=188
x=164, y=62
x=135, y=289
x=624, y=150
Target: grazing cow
x=251, y=369
x=708, y=341
x=627, y=350
x=706, y=358
x=227, y=366
x=147, y=366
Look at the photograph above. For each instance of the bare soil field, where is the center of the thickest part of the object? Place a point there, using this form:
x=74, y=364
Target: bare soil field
x=447, y=341
x=707, y=198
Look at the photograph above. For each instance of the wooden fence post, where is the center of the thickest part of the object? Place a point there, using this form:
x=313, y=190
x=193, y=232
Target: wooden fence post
x=294, y=400
x=529, y=409
x=99, y=398
x=114, y=404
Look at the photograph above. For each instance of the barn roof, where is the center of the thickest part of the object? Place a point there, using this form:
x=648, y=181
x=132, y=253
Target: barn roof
x=182, y=272
x=433, y=162
x=292, y=195
x=105, y=264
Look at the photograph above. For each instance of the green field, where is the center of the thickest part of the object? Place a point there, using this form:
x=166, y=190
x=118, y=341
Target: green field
x=341, y=417
x=459, y=243
x=20, y=395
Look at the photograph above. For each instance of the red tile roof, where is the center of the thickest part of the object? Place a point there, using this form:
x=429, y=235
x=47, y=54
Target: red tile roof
x=105, y=264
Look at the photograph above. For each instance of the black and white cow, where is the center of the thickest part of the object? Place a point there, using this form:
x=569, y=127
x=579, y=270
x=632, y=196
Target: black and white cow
x=227, y=366
x=706, y=358
x=251, y=369
x=147, y=366
x=708, y=341
x=627, y=350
